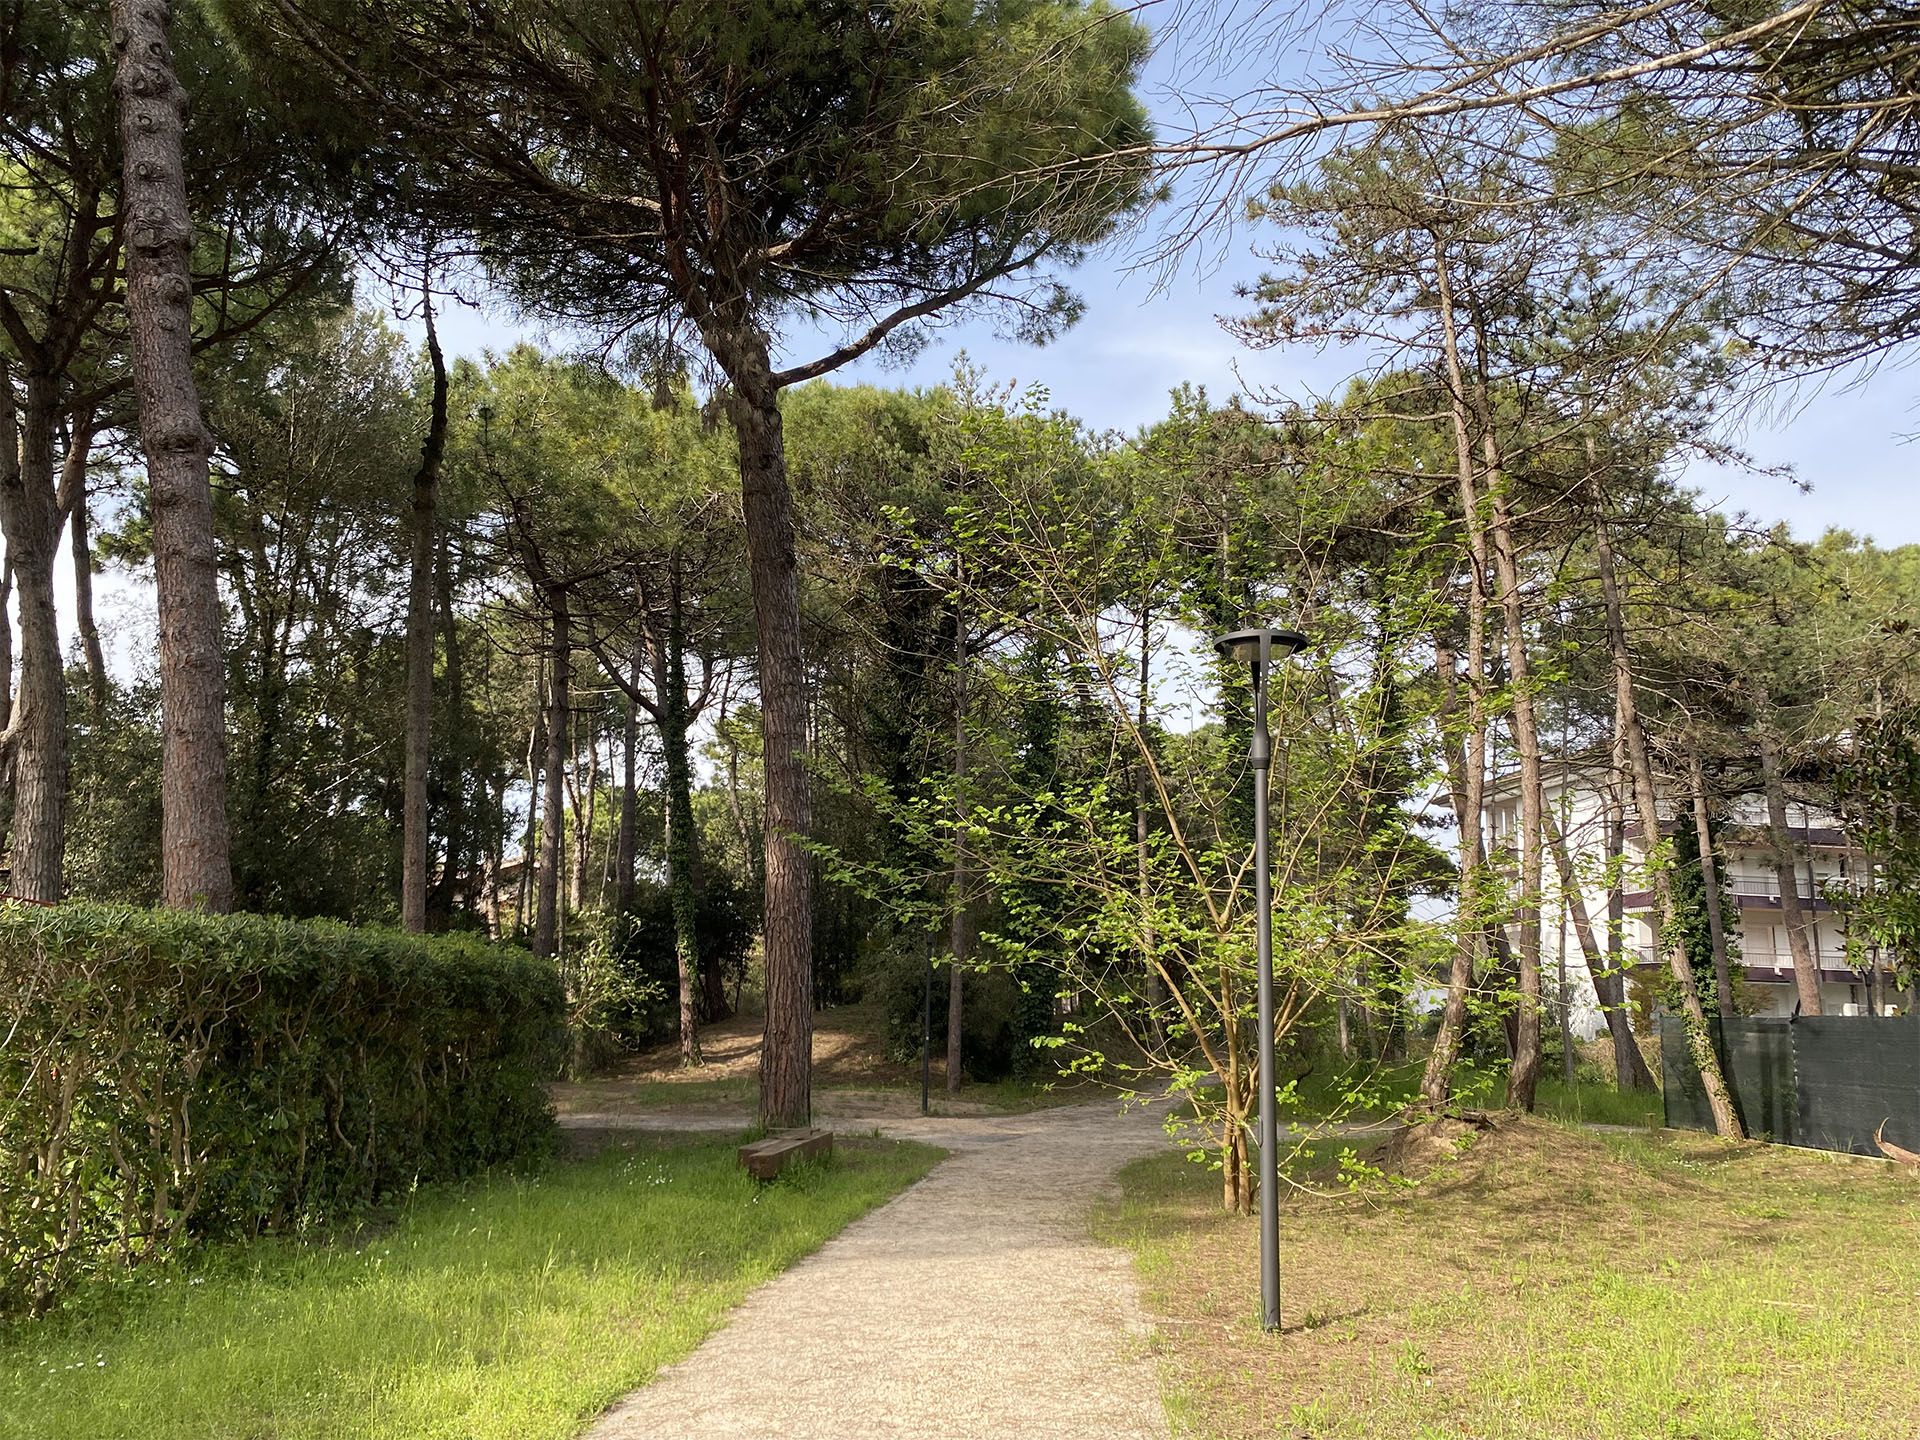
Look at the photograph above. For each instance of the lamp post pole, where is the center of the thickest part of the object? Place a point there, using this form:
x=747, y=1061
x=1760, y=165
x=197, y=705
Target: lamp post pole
x=1258, y=649
x=1260, y=753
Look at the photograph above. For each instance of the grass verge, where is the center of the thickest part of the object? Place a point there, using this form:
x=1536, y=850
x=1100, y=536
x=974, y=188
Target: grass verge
x=1547, y=1283
x=510, y=1309
x=1378, y=1092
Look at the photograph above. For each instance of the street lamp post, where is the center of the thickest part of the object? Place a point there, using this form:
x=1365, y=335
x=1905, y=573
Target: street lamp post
x=1259, y=648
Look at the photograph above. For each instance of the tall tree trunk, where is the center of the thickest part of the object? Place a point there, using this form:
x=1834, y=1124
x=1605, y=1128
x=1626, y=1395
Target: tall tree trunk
x=1468, y=793
x=1525, y=1075
x=194, y=861
x=670, y=686
x=415, y=842
x=1806, y=974
x=6, y=575
x=553, y=820
x=786, y=1052
x=1617, y=864
x=1710, y=880
x=36, y=733
x=1630, y=1066
x=1640, y=766
x=623, y=858
x=957, y=894
x=460, y=815
x=73, y=502
x=10, y=458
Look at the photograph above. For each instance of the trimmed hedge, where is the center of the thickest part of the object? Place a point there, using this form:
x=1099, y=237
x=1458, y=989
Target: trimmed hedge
x=166, y=1075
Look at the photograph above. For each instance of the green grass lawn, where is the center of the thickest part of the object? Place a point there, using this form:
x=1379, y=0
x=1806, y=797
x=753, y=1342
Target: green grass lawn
x=1547, y=1284
x=510, y=1309
x=1377, y=1092
x=1599, y=1104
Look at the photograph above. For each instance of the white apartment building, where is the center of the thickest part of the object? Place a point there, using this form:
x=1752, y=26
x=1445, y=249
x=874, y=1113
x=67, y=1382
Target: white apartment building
x=1580, y=798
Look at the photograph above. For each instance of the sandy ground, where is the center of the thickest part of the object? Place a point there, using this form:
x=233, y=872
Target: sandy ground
x=852, y=1078
x=975, y=1305
x=848, y=1049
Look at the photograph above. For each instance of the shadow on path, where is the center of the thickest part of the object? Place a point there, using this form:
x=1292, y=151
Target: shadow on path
x=974, y=1305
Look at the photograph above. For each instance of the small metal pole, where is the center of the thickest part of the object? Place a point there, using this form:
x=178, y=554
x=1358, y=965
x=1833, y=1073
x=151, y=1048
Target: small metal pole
x=926, y=1025
x=1256, y=647
x=1260, y=753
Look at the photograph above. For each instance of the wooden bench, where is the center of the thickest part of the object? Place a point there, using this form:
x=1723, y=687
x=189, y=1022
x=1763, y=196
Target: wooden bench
x=766, y=1158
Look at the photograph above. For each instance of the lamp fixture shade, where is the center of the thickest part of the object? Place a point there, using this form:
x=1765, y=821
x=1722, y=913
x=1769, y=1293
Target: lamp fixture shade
x=1244, y=645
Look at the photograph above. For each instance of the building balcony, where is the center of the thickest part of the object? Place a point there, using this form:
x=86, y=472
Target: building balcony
x=1642, y=900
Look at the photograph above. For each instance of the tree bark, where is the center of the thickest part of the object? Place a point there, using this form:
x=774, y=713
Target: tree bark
x=957, y=894
x=73, y=502
x=414, y=838
x=1640, y=766
x=786, y=1052
x=1710, y=880
x=6, y=579
x=195, y=865
x=36, y=732
x=1806, y=975
x=1630, y=1066
x=553, y=820
x=1468, y=792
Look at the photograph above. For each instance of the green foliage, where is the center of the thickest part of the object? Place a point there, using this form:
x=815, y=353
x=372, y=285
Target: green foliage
x=1002, y=1013
x=892, y=150
x=511, y=1308
x=1877, y=783
x=113, y=826
x=644, y=1009
x=1689, y=881
x=169, y=1076
x=1105, y=831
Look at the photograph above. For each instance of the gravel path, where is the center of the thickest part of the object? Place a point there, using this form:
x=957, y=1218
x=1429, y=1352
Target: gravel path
x=975, y=1305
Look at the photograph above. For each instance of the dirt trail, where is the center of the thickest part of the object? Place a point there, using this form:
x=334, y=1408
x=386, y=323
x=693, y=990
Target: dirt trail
x=975, y=1306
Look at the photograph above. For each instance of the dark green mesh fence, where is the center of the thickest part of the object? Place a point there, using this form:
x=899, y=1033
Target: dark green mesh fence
x=1825, y=1081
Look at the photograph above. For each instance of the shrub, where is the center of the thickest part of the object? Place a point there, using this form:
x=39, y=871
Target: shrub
x=165, y=1076
x=1002, y=1010
x=643, y=1007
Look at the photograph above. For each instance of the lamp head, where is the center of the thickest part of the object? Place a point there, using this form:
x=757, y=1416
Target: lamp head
x=1244, y=646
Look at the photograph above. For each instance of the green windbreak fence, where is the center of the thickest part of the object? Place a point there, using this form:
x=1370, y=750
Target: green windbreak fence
x=1756, y=1056
x=1825, y=1081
